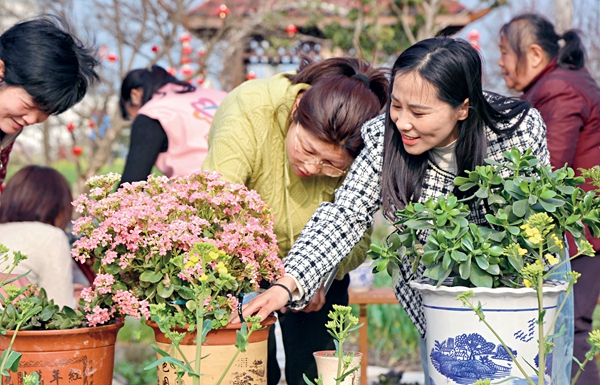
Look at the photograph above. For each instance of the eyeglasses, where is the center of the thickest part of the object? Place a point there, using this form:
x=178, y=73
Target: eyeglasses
x=325, y=168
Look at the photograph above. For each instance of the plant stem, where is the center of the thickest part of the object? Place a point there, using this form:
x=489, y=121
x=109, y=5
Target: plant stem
x=514, y=359
x=340, y=359
x=199, y=332
x=9, y=349
x=574, y=381
x=542, y=340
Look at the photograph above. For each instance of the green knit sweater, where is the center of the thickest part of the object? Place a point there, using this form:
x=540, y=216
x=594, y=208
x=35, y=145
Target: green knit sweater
x=247, y=145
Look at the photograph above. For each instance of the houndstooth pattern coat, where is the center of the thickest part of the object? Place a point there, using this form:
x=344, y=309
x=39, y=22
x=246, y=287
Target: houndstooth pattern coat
x=336, y=227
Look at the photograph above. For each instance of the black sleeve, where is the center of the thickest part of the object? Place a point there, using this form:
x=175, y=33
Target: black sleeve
x=148, y=139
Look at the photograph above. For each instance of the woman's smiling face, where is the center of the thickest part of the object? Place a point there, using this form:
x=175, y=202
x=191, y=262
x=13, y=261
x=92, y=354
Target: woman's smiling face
x=17, y=109
x=423, y=120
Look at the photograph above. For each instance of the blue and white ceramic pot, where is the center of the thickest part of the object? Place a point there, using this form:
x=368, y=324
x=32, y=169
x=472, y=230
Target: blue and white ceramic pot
x=362, y=278
x=461, y=349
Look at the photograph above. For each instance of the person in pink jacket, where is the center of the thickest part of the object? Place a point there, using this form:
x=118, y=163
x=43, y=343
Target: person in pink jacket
x=171, y=121
x=549, y=69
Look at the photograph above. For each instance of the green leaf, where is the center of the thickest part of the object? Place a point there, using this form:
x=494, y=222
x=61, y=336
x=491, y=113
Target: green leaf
x=173, y=361
x=481, y=193
x=479, y=277
x=482, y=261
x=431, y=256
x=547, y=194
x=459, y=256
x=241, y=340
x=12, y=362
x=306, y=380
x=150, y=276
x=465, y=269
x=467, y=243
x=493, y=269
x=496, y=199
x=520, y=208
x=164, y=291
x=160, y=351
x=418, y=224
x=572, y=219
x=495, y=251
x=446, y=261
x=112, y=269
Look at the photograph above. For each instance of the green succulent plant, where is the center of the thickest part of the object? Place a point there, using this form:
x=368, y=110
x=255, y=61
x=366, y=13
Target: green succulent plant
x=494, y=252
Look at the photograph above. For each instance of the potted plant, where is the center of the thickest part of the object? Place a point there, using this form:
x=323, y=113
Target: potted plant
x=42, y=342
x=189, y=248
x=515, y=251
x=339, y=366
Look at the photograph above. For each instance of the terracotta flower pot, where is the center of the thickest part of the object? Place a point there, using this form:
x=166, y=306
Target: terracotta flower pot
x=327, y=365
x=249, y=368
x=74, y=356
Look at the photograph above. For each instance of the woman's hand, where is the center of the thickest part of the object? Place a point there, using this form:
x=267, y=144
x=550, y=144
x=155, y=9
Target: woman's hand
x=267, y=302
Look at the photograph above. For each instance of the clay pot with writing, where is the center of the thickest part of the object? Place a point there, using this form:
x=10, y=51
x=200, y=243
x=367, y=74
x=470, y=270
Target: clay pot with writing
x=73, y=356
x=249, y=368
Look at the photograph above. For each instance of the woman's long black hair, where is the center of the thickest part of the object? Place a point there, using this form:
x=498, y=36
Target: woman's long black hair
x=453, y=67
x=150, y=81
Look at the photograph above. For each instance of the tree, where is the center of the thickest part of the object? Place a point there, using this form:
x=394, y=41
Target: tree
x=380, y=30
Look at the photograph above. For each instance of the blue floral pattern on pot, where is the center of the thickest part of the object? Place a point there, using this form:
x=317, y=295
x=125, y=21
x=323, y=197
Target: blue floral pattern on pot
x=470, y=356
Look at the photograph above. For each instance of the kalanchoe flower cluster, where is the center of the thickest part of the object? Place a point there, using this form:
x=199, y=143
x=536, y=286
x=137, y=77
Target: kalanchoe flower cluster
x=137, y=233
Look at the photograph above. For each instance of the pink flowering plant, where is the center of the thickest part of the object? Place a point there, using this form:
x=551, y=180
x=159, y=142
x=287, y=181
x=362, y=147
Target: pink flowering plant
x=142, y=238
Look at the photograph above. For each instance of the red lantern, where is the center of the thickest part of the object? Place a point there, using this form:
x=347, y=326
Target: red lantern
x=112, y=57
x=171, y=71
x=187, y=70
x=92, y=124
x=77, y=150
x=223, y=11
x=155, y=49
x=201, y=52
x=185, y=37
x=71, y=126
x=474, y=35
x=251, y=75
x=200, y=81
x=186, y=60
x=291, y=30
x=187, y=49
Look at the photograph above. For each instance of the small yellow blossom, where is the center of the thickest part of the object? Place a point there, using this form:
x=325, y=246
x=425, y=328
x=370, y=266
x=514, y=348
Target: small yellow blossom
x=552, y=260
x=212, y=255
x=193, y=259
x=557, y=241
x=203, y=278
x=527, y=283
x=220, y=267
x=522, y=251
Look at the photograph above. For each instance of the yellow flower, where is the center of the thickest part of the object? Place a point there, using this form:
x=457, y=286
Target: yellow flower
x=192, y=261
x=212, y=255
x=522, y=251
x=557, y=241
x=221, y=269
x=527, y=283
x=203, y=278
x=552, y=260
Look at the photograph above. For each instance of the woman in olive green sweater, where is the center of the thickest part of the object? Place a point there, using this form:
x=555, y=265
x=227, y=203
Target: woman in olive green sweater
x=292, y=138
